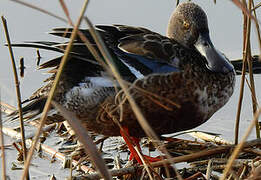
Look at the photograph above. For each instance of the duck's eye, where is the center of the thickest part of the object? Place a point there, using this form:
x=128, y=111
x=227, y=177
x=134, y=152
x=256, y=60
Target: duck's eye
x=186, y=25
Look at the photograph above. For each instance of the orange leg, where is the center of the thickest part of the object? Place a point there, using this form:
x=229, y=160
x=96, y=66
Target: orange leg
x=130, y=141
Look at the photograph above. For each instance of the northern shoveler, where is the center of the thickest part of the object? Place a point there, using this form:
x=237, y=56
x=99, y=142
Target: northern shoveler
x=183, y=67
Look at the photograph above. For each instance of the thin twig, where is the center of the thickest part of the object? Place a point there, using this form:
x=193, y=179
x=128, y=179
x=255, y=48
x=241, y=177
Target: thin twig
x=247, y=12
x=18, y=93
x=241, y=5
x=6, y=108
x=257, y=25
x=242, y=82
x=55, y=83
x=65, y=10
x=248, y=84
x=209, y=138
x=240, y=145
x=184, y=158
x=53, y=153
x=250, y=69
x=86, y=140
x=256, y=7
x=209, y=169
x=146, y=166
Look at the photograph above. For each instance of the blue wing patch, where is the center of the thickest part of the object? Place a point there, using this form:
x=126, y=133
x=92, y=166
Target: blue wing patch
x=142, y=66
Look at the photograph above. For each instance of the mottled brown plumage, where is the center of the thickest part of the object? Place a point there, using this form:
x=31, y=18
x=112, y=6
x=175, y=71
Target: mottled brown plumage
x=190, y=78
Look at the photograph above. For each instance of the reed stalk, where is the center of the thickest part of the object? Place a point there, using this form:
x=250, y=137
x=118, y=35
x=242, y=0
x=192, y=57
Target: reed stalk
x=18, y=93
x=86, y=140
x=240, y=99
x=240, y=145
x=51, y=94
x=45, y=148
x=250, y=69
x=257, y=27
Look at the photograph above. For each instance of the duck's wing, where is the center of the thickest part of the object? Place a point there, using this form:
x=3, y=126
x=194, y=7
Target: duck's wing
x=137, y=52
x=143, y=51
x=256, y=65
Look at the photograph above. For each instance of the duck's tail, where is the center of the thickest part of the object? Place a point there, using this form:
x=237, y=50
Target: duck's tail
x=31, y=110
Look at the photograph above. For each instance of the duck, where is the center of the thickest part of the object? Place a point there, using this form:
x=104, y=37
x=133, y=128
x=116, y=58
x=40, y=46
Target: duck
x=178, y=80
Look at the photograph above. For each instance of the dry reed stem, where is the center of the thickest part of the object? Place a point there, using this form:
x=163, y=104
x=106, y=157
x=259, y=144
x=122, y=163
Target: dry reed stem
x=209, y=169
x=246, y=34
x=257, y=26
x=133, y=169
x=2, y=147
x=61, y=157
x=197, y=175
x=17, y=148
x=243, y=172
x=87, y=43
x=144, y=163
x=209, y=138
x=69, y=128
x=244, y=9
x=184, y=158
x=250, y=69
x=205, y=153
x=93, y=151
x=18, y=93
x=71, y=169
x=141, y=119
x=240, y=145
x=217, y=161
x=93, y=51
x=15, y=135
x=6, y=108
x=86, y=140
x=55, y=83
x=120, y=172
x=247, y=12
x=254, y=98
x=65, y=10
x=38, y=57
x=253, y=151
x=256, y=7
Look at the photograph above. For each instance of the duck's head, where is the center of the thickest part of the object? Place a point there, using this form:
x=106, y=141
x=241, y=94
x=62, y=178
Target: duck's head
x=188, y=26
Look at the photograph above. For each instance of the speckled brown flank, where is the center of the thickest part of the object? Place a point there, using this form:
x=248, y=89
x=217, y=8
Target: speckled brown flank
x=177, y=88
